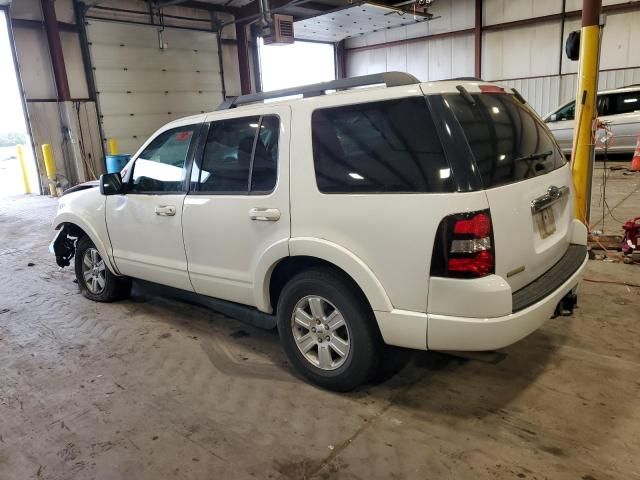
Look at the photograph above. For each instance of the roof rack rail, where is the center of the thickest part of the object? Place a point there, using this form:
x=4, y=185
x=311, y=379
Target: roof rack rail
x=389, y=79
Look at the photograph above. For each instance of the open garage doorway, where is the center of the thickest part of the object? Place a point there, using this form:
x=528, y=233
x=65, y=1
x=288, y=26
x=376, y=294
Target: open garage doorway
x=16, y=148
x=300, y=63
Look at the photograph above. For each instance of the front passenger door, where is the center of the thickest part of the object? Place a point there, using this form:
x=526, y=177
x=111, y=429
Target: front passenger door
x=145, y=224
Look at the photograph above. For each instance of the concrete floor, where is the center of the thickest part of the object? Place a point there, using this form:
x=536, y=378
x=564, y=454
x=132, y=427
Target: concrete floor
x=150, y=388
x=616, y=199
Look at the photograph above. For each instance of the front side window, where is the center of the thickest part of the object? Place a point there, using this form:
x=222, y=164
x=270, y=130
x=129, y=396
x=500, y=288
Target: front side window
x=240, y=156
x=378, y=147
x=509, y=143
x=568, y=112
x=160, y=168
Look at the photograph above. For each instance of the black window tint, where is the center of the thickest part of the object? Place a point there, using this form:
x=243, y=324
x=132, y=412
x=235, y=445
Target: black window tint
x=227, y=155
x=265, y=160
x=624, y=103
x=504, y=137
x=161, y=166
x=389, y=146
x=568, y=112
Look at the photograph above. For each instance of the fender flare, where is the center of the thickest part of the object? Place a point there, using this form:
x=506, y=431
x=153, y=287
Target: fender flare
x=324, y=250
x=105, y=250
x=263, y=268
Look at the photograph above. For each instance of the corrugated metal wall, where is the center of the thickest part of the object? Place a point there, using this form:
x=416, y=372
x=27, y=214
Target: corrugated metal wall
x=525, y=57
x=141, y=86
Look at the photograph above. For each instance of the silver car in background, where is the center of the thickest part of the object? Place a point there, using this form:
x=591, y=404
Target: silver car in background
x=618, y=109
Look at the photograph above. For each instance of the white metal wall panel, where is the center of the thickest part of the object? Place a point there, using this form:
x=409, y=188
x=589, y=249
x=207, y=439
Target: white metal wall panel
x=542, y=93
x=521, y=52
x=435, y=59
x=74, y=65
x=621, y=41
x=499, y=11
x=577, y=4
x=34, y=63
x=141, y=87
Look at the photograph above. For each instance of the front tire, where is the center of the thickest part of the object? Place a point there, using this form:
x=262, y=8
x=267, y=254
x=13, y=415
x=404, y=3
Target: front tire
x=95, y=280
x=327, y=330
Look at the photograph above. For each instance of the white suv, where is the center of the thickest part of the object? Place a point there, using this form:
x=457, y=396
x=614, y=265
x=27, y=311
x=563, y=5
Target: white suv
x=422, y=215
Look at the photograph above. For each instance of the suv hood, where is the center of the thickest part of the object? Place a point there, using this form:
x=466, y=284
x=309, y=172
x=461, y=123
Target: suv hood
x=82, y=186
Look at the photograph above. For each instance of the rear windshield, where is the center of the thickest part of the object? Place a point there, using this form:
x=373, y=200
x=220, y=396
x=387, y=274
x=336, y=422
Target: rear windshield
x=509, y=143
x=379, y=147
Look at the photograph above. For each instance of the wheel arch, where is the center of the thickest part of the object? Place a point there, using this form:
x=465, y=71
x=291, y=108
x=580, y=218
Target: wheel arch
x=304, y=253
x=72, y=221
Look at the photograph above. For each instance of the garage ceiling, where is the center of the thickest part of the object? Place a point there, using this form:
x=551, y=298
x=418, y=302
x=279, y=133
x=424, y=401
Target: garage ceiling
x=354, y=20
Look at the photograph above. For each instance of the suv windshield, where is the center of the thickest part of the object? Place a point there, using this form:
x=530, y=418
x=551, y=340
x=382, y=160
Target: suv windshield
x=509, y=143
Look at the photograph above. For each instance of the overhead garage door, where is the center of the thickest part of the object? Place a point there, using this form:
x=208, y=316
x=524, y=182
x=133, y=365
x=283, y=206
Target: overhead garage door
x=141, y=86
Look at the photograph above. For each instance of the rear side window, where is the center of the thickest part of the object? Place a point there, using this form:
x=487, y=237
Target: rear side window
x=509, y=142
x=240, y=156
x=379, y=147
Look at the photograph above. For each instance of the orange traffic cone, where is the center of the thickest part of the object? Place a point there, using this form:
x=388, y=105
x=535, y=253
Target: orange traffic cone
x=635, y=161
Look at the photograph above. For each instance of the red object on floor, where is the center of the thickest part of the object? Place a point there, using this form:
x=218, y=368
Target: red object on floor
x=631, y=235
x=635, y=161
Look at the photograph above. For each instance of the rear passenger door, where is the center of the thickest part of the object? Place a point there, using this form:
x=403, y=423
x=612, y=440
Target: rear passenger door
x=238, y=208
x=622, y=112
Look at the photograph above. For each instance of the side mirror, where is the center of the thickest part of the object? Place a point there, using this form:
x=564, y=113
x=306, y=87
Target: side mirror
x=111, y=184
x=553, y=117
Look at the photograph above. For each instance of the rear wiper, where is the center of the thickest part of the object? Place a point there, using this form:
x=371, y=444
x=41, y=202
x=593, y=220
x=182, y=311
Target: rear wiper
x=535, y=156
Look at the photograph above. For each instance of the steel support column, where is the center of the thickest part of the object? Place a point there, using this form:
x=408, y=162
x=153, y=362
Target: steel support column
x=243, y=58
x=55, y=50
x=477, y=31
x=583, y=151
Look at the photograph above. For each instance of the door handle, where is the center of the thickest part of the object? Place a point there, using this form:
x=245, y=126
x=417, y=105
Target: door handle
x=165, y=210
x=265, y=214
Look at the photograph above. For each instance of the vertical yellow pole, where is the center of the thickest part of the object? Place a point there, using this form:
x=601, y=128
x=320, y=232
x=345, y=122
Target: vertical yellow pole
x=23, y=167
x=113, y=146
x=50, y=167
x=586, y=112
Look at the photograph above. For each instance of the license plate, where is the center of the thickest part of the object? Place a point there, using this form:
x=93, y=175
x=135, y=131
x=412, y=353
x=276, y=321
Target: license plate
x=546, y=222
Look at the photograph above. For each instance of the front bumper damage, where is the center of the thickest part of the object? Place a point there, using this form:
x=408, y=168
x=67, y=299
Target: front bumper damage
x=63, y=245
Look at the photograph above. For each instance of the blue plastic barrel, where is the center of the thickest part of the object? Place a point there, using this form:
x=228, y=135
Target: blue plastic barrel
x=115, y=163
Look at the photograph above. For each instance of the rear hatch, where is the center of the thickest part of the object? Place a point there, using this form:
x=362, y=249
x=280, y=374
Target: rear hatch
x=525, y=178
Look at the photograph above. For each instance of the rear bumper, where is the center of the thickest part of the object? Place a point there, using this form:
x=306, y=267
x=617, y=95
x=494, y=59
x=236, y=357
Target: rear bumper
x=449, y=332
x=477, y=334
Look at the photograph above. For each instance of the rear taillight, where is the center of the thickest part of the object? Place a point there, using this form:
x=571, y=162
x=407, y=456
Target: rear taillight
x=464, y=246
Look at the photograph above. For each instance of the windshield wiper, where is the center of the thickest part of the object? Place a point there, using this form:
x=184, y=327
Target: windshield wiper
x=535, y=156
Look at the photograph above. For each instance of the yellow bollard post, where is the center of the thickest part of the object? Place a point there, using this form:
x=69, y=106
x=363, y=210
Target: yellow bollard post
x=113, y=146
x=23, y=168
x=582, y=159
x=50, y=167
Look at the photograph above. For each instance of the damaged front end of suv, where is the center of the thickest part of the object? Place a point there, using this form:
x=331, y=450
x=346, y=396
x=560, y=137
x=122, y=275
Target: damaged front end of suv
x=63, y=245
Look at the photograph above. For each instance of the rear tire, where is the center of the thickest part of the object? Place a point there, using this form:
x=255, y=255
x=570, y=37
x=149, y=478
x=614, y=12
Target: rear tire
x=95, y=280
x=327, y=330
